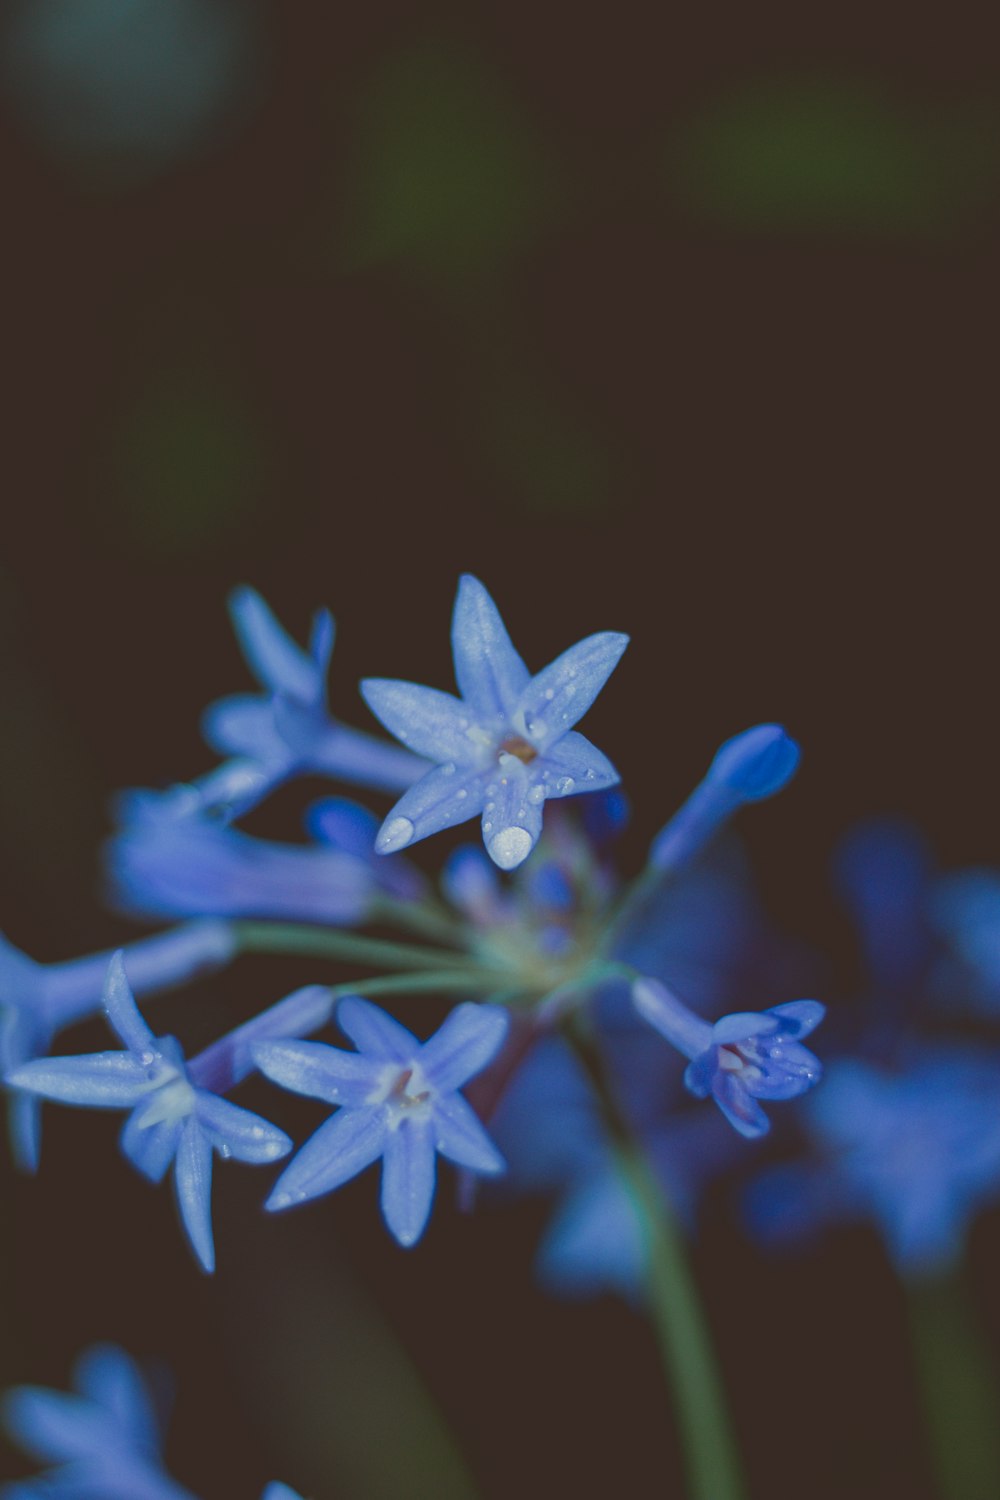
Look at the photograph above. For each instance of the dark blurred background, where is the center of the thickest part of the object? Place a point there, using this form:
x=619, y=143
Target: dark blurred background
x=682, y=325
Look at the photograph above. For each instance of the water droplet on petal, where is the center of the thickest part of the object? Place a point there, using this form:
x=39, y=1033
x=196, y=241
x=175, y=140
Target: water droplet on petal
x=449, y=769
x=536, y=794
x=396, y=834
x=509, y=847
x=564, y=785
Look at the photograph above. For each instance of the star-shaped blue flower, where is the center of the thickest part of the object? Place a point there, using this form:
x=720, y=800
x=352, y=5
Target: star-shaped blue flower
x=104, y=1440
x=506, y=744
x=398, y=1100
x=747, y=1056
x=287, y=730
x=171, y=1120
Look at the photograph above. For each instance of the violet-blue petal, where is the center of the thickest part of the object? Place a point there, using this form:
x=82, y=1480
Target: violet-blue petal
x=573, y=765
x=373, y=1030
x=671, y=1017
x=122, y=1011
x=786, y=1071
x=55, y=1427
x=238, y=1132
x=99, y=1080
x=756, y=763
x=408, y=1172
x=739, y=1106
x=278, y=1491
x=193, y=1184
x=699, y=1075
x=243, y=724
x=741, y=1025
x=469, y=1038
x=150, y=1148
x=799, y=1017
x=560, y=694
x=441, y=799
x=425, y=720
x=512, y=815
x=343, y=824
x=278, y=663
x=470, y=881
x=320, y=1071
x=459, y=1135
x=489, y=672
x=338, y=1151
x=109, y=1377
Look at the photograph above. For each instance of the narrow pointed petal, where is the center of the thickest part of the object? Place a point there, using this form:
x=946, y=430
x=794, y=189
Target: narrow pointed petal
x=322, y=634
x=344, y=825
x=459, y=1135
x=100, y=1080
x=243, y=724
x=150, y=1148
x=24, y=1123
x=276, y=661
x=55, y=1427
x=322, y=1072
x=739, y=1107
x=238, y=1132
x=562, y=692
x=441, y=799
x=573, y=764
x=193, y=1183
x=470, y=1037
x=429, y=722
x=490, y=674
x=122, y=1011
x=512, y=814
x=408, y=1180
x=338, y=1151
x=742, y=1025
x=106, y=1375
x=374, y=1031
x=792, y=1071
x=278, y=1491
x=799, y=1017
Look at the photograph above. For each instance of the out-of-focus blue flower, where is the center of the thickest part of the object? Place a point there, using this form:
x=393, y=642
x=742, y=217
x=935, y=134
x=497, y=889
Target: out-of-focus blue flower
x=965, y=911
x=37, y=1000
x=196, y=866
x=751, y=766
x=883, y=870
x=171, y=1120
x=278, y=1491
x=287, y=730
x=128, y=82
x=398, y=1100
x=506, y=744
x=104, y=1440
x=917, y=1151
x=742, y=1058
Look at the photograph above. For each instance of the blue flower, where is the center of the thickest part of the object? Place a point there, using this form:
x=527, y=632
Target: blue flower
x=37, y=1000
x=196, y=866
x=287, y=730
x=171, y=1120
x=742, y=1058
x=104, y=1440
x=399, y=1101
x=506, y=744
x=917, y=1150
x=277, y=1491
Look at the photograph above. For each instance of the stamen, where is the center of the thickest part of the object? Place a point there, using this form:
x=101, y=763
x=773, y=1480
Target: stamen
x=516, y=746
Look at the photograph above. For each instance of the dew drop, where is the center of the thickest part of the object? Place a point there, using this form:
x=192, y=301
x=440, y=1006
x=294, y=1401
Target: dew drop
x=448, y=769
x=509, y=847
x=550, y=693
x=564, y=785
x=487, y=827
x=536, y=794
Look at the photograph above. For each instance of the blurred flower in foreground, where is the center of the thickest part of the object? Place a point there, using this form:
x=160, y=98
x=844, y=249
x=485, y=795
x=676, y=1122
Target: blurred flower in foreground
x=128, y=84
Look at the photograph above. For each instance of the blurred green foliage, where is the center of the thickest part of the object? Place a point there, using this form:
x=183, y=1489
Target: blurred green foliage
x=826, y=154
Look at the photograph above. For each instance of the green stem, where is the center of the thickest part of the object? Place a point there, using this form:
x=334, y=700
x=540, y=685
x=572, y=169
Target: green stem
x=425, y=917
x=709, y=1447
x=325, y=942
x=958, y=1383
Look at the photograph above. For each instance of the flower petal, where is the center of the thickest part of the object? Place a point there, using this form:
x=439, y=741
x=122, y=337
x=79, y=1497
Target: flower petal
x=110, y=1378
x=150, y=1148
x=489, y=672
x=469, y=1038
x=441, y=799
x=193, y=1183
x=408, y=1180
x=573, y=764
x=55, y=1427
x=278, y=663
x=561, y=693
x=122, y=1011
x=339, y=1150
x=374, y=1031
x=243, y=724
x=98, y=1080
x=742, y=1025
x=799, y=1017
x=238, y=1132
x=460, y=1136
x=739, y=1107
x=344, y=825
x=321, y=1071
x=432, y=723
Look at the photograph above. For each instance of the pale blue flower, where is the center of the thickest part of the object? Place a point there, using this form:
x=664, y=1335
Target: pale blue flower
x=744, y=1057
x=172, y=1121
x=37, y=1000
x=277, y=1491
x=398, y=1100
x=506, y=744
x=104, y=1441
x=287, y=730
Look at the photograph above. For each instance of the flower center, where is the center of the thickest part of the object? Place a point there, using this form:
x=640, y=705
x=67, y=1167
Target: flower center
x=515, y=745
